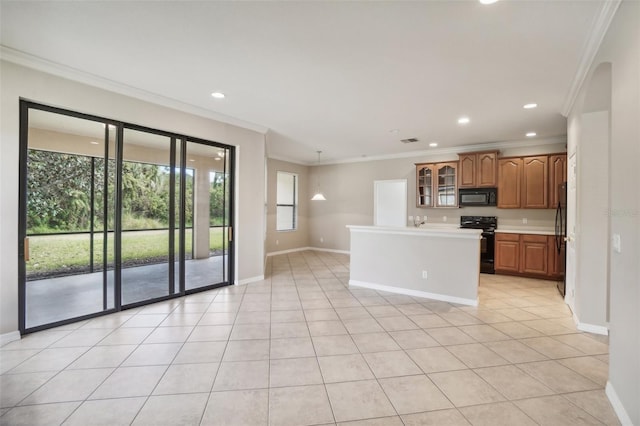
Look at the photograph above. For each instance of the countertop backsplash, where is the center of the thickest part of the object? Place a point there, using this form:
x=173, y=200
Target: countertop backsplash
x=536, y=219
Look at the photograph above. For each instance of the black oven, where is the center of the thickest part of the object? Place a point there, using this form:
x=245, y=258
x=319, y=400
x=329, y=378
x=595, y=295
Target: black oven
x=488, y=224
x=477, y=197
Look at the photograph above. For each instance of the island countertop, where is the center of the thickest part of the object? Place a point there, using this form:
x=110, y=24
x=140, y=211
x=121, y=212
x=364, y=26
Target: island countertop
x=423, y=230
x=441, y=263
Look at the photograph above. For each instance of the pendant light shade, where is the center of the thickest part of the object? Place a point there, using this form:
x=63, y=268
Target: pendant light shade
x=318, y=196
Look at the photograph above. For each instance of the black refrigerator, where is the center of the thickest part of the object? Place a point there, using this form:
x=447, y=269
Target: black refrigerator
x=561, y=234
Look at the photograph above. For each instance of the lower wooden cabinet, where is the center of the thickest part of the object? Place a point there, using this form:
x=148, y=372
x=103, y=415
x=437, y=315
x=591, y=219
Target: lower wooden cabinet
x=507, y=255
x=534, y=254
x=528, y=255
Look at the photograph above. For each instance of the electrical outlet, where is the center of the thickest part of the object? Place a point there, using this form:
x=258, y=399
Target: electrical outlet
x=444, y=218
x=322, y=239
x=277, y=242
x=424, y=218
x=424, y=275
x=524, y=221
x=410, y=218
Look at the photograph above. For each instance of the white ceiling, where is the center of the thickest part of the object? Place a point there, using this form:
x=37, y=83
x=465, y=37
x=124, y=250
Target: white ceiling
x=331, y=76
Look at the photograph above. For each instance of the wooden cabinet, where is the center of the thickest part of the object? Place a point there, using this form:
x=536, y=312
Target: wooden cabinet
x=535, y=182
x=509, y=181
x=557, y=176
x=478, y=169
x=528, y=255
x=424, y=185
x=527, y=182
x=534, y=254
x=437, y=184
x=507, y=254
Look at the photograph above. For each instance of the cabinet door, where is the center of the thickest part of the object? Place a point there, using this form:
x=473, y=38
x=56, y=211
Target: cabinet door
x=487, y=168
x=467, y=170
x=424, y=185
x=507, y=254
x=535, y=182
x=557, y=176
x=446, y=184
x=534, y=254
x=509, y=178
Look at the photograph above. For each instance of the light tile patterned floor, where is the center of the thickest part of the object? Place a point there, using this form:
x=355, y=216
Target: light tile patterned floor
x=302, y=348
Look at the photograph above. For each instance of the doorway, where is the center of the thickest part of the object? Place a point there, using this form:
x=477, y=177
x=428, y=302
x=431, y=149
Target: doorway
x=114, y=215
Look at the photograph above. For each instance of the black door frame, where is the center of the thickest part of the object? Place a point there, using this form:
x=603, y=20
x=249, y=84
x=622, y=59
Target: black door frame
x=175, y=138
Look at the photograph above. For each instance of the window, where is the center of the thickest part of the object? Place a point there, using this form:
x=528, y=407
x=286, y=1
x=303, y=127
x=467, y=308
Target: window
x=287, y=202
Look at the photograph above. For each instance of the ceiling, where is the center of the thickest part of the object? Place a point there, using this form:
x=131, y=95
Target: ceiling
x=332, y=76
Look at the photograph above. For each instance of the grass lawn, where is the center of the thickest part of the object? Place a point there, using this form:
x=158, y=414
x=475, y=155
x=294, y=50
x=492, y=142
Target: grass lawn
x=59, y=252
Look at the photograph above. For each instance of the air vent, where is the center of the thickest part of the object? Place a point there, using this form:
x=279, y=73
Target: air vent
x=409, y=140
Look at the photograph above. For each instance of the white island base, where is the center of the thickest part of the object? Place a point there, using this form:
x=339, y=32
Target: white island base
x=435, y=263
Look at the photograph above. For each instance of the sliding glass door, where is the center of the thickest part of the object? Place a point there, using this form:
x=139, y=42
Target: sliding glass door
x=67, y=241
x=114, y=215
x=207, y=211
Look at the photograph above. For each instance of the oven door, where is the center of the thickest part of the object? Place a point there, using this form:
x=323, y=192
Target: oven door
x=487, y=247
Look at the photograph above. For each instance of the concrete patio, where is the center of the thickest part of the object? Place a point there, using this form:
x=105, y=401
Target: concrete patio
x=56, y=299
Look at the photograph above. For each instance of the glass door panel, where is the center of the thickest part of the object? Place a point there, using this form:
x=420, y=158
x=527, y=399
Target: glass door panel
x=206, y=214
x=64, y=217
x=145, y=214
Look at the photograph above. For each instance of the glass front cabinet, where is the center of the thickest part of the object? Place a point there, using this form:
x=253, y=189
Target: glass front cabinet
x=437, y=184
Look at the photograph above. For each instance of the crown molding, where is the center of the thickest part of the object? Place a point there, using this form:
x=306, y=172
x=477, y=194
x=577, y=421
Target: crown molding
x=26, y=60
x=452, y=150
x=592, y=44
x=524, y=143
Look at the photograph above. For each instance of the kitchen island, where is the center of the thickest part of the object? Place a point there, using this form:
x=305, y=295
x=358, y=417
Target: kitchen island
x=441, y=263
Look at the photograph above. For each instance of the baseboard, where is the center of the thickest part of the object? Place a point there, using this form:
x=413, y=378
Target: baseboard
x=295, y=250
x=250, y=280
x=416, y=293
x=9, y=337
x=330, y=250
x=622, y=414
x=590, y=328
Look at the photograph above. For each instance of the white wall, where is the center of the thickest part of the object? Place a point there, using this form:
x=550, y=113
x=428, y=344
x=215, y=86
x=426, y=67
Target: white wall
x=592, y=230
x=17, y=81
x=349, y=191
x=621, y=48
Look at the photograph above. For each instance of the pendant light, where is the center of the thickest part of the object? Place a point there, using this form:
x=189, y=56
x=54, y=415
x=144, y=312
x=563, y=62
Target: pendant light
x=318, y=196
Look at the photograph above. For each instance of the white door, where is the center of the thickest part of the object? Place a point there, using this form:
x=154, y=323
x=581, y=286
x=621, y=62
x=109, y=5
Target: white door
x=571, y=270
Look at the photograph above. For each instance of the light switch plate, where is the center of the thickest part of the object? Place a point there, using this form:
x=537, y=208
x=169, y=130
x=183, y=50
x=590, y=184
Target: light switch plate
x=616, y=243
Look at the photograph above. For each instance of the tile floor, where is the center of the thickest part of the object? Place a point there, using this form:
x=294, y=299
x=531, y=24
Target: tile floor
x=302, y=348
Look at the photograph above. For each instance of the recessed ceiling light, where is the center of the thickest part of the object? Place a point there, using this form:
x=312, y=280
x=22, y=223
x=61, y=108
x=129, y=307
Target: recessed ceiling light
x=463, y=120
x=530, y=106
x=488, y=1
x=433, y=144
x=531, y=134
x=217, y=158
x=218, y=95
x=94, y=143
x=220, y=153
x=191, y=159
x=394, y=130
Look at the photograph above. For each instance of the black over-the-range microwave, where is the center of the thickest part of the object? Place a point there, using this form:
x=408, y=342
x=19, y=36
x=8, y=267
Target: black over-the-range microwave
x=477, y=197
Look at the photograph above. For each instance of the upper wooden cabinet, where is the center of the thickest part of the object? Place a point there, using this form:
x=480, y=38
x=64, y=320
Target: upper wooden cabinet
x=478, y=169
x=437, y=184
x=535, y=182
x=530, y=182
x=557, y=176
x=509, y=183
x=424, y=185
